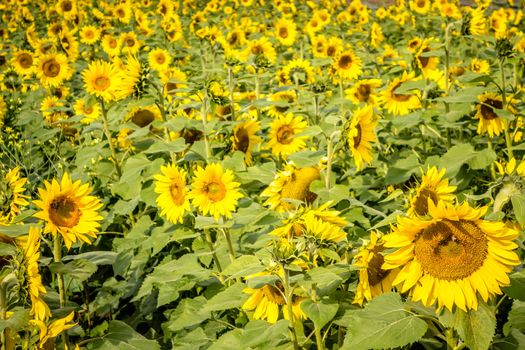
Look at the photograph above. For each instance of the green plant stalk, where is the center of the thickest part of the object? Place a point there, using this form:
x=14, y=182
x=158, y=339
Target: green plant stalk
x=228, y=237
x=342, y=97
x=317, y=331
x=162, y=108
x=209, y=240
x=447, y=69
x=231, y=86
x=329, y=155
x=3, y=313
x=508, y=139
x=57, y=257
x=492, y=168
x=288, y=299
x=108, y=137
x=451, y=340
x=204, y=116
x=316, y=110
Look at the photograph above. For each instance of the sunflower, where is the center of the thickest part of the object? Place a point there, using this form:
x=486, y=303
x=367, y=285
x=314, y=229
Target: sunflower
x=334, y=46
x=281, y=102
x=89, y=35
x=134, y=78
x=171, y=188
x=159, y=59
x=123, y=12
x=52, y=69
x=480, y=66
x=290, y=186
x=69, y=210
x=90, y=111
x=66, y=8
x=319, y=43
x=426, y=63
x=363, y=92
x=361, y=135
x=69, y=44
x=477, y=22
x=268, y=300
x=261, y=47
x=489, y=121
x=376, y=35
x=12, y=198
x=373, y=280
x=285, y=31
x=299, y=72
x=452, y=256
x=433, y=188
x=102, y=79
x=283, y=139
x=214, y=192
x=111, y=45
x=23, y=62
x=420, y=6
x=52, y=330
x=400, y=104
x=143, y=116
x=39, y=308
x=414, y=44
x=347, y=65
x=245, y=138
x=173, y=79
x=130, y=43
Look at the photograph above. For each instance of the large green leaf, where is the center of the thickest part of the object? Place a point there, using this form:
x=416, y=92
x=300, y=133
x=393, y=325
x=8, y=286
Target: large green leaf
x=121, y=336
x=229, y=298
x=476, y=327
x=319, y=312
x=517, y=286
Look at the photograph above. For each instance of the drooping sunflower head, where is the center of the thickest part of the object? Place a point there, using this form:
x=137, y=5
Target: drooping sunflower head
x=451, y=257
x=373, y=280
x=245, y=138
x=69, y=210
x=361, y=135
x=173, y=80
x=143, y=116
x=434, y=187
x=283, y=130
x=102, y=79
x=12, y=199
x=135, y=78
x=214, y=191
x=171, y=188
x=291, y=187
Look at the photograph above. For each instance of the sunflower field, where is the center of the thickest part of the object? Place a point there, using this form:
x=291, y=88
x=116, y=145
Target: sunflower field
x=262, y=174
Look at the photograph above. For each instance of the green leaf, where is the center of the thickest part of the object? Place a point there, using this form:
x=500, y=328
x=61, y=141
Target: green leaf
x=476, y=327
x=190, y=312
x=229, y=298
x=7, y=249
x=17, y=321
x=456, y=157
x=123, y=337
x=178, y=145
x=518, y=204
x=97, y=257
x=79, y=269
x=243, y=266
x=482, y=159
x=14, y=230
x=517, y=315
x=517, y=286
x=383, y=323
x=401, y=170
x=319, y=312
x=306, y=158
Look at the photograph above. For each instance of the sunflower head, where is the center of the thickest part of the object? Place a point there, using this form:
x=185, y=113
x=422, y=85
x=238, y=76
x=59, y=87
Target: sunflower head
x=170, y=185
x=12, y=199
x=434, y=188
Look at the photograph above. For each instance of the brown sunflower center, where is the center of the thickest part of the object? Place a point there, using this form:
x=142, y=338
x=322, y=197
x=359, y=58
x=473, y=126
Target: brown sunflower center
x=345, y=62
x=88, y=110
x=130, y=42
x=421, y=203
x=357, y=137
x=285, y=134
x=487, y=108
x=233, y=39
x=64, y=212
x=298, y=187
x=399, y=97
x=121, y=13
x=89, y=34
x=374, y=271
x=421, y=3
x=25, y=60
x=242, y=140
x=330, y=51
x=451, y=250
x=363, y=92
x=177, y=193
x=423, y=60
x=257, y=50
x=160, y=58
x=102, y=82
x=283, y=32
x=215, y=191
x=143, y=117
x=51, y=68
x=66, y=6
x=112, y=43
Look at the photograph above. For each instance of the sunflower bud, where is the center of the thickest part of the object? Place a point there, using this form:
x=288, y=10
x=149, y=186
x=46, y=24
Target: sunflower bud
x=284, y=251
x=504, y=48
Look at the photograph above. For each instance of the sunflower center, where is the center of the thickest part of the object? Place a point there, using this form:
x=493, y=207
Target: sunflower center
x=121, y=13
x=25, y=60
x=375, y=273
x=233, y=39
x=283, y=32
x=357, y=137
x=421, y=204
x=330, y=51
x=51, y=68
x=67, y=6
x=298, y=187
x=285, y=135
x=89, y=34
x=177, y=193
x=420, y=3
x=64, y=212
x=399, y=97
x=242, y=140
x=215, y=191
x=423, y=60
x=451, y=250
x=101, y=83
x=143, y=117
x=487, y=108
x=273, y=294
x=88, y=110
x=345, y=62
x=257, y=50
x=130, y=42
x=112, y=43
x=160, y=59
x=363, y=92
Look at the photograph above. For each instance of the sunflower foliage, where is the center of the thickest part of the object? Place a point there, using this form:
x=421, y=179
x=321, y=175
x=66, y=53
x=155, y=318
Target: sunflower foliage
x=219, y=174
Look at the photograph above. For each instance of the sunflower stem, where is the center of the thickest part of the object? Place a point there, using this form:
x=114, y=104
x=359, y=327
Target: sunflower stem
x=288, y=293
x=316, y=109
x=204, y=116
x=107, y=132
x=228, y=237
x=492, y=168
x=231, y=86
x=447, y=68
x=329, y=155
x=3, y=313
x=508, y=139
x=162, y=108
x=209, y=240
x=451, y=340
x=57, y=258
x=342, y=97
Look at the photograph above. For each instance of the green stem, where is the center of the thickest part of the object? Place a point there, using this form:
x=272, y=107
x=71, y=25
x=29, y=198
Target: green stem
x=204, y=116
x=492, y=168
x=329, y=155
x=162, y=109
x=57, y=257
x=316, y=109
x=342, y=96
x=3, y=313
x=107, y=132
x=231, y=87
x=451, y=340
x=447, y=69
x=317, y=331
x=508, y=139
x=213, y=254
x=288, y=293
x=228, y=237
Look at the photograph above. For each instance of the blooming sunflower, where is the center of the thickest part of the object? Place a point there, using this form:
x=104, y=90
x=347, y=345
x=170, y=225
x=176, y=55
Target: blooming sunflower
x=426, y=63
x=420, y=6
x=52, y=69
x=433, y=188
x=245, y=138
x=12, y=198
x=173, y=79
x=159, y=59
x=69, y=210
x=283, y=140
x=489, y=121
x=39, y=308
x=111, y=45
x=23, y=62
x=451, y=257
x=90, y=111
x=261, y=47
x=285, y=31
x=102, y=79
x=291, y=184
x=214, y=192
x=476, y=22
x=347, y=65
x=480, y=66
x=363, y=92
x=376, y=35
x=373, y=280
x=171, y=187
x=89, y=35
x=361, y=135
x=400, y=104
x=130, y=43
